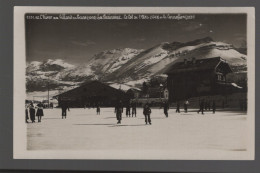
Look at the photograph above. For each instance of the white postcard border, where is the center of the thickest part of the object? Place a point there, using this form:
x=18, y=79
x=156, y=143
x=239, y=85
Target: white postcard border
x=19, y=127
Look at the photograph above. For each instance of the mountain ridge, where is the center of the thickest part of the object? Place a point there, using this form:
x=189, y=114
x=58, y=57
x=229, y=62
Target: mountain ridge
x=127, y=65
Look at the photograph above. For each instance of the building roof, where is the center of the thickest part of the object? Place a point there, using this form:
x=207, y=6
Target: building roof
x=199, y=65
x=134, y=90
x=92, y=88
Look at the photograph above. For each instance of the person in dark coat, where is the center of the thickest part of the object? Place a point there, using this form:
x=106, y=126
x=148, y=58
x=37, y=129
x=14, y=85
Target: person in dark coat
x=184, y=107
x=147, y=112
x=213, y=106
x=98, y=109
x=26, y=114
x=206, y=105
x=133, y=105
x=165, y=109
x=39, y=112
x=119, y=111
x=32, y=113
x=116, y=107
x=178, y=107
x=202, y=104
x=64, y=108
x=127, y=112
x=186, y=103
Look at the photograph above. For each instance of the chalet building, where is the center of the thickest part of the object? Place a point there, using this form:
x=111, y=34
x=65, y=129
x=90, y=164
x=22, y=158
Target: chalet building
x=155, y=92
x=158, y=92
x=155, y=96
x=133, y=93
x=92, y=93
x=197, y=78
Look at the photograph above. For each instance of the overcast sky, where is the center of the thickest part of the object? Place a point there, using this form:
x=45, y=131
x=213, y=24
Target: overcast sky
x=76, y=41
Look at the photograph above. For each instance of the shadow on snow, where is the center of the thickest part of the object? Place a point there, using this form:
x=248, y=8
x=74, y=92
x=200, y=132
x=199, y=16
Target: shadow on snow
x=92, y=124
x=116, y=125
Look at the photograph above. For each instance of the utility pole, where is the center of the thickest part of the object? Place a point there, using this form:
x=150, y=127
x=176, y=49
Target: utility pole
x=48, y=93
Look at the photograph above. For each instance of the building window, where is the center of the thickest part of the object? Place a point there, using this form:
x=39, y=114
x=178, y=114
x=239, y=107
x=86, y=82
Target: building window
x=220, y=77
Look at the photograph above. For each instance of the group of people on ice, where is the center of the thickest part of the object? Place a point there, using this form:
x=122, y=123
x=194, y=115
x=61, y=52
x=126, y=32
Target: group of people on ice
x=147, y=110
x=207, y=106
x=203, y=105
x=32, y=111
x=128, y=109
x=119, y=109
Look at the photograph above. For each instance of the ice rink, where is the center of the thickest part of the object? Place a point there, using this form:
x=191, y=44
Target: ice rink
x=224, y=131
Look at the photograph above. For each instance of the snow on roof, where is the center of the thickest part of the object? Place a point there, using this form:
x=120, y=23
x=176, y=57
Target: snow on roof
x=123, y=87
x=200, y=64
x=235, y=85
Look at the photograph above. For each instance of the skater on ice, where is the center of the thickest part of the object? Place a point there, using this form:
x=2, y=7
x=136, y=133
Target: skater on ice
x=98, y=109
x=178, y=107
x=51, y=105
x=201, y=107
x=166, y=108
x=39, y=112
x=213, y=106
x=26, y=114
x=119, y=111
x=32, y=112
x=64, y=108
x=186, y=103
x=147, y=113
x=127, y=109
x=133, y=108
x=206, y=105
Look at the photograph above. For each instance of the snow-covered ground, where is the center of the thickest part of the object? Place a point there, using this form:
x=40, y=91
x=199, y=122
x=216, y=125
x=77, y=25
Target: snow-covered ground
x=223, y=133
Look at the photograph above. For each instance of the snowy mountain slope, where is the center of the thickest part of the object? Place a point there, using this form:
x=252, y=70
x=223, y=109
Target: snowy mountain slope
x=32, y=66
x=108, y=61
x=139, y=64
x=61, y=74
x=157, y=60
x=209, y=50
x=49, y=65
x=128, y=66
x=50, y=73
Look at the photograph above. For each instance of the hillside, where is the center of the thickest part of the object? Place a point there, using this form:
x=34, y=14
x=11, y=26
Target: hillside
x=157, y=60
x=128, y=66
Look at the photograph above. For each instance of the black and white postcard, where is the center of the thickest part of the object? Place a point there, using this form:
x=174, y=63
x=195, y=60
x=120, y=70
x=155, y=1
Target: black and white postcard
x=134, y=83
